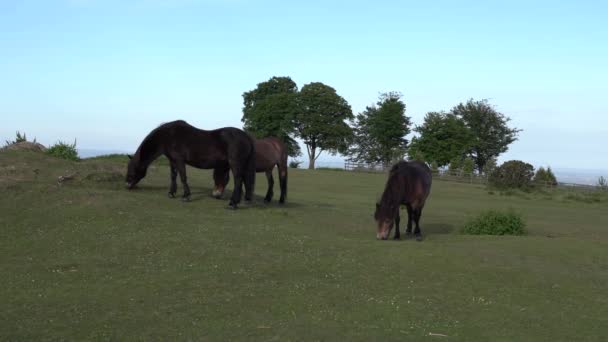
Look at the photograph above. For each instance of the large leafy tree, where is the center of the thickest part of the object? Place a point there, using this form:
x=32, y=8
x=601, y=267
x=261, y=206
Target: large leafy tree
x=320, y=121
x=380, y=130
x=489, y=128
x=270, y=110
x=444, y=138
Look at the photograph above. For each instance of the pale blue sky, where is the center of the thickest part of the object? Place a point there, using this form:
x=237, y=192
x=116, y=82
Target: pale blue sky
x=107, y=72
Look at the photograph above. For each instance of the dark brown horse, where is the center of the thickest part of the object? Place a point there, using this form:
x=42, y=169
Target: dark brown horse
x=268, y=153
x=227, y=148
x=409, y=184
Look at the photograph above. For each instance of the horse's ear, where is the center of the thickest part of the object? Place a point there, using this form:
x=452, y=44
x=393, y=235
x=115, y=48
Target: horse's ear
x=130, y=156
x=377, y=205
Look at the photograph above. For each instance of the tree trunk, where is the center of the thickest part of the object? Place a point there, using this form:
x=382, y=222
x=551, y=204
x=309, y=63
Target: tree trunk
x=311, y=163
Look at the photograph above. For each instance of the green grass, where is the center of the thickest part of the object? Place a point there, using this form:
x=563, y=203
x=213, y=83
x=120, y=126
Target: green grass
x=88, y=260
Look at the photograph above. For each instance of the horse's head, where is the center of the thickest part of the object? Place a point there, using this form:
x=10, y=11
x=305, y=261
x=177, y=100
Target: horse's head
x=384, y=217
x=135, y=172
x=221, y=179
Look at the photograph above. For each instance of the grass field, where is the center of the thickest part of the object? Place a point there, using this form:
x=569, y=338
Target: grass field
x=89, y=260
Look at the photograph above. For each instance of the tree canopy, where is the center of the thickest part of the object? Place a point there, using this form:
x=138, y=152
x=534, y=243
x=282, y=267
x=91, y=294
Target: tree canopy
x=444, y=138
x=380, y=130
x=320, y=120
x=491, y=134
x=270, y=110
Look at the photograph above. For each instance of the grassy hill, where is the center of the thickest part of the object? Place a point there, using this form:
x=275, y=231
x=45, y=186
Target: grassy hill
x=87, y=259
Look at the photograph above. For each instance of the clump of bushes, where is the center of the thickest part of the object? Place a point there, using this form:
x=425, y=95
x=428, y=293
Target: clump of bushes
x=64, y=150
x=19, y=138
x=494, y=222
x=545, y=177
x=513, y=174
x=294, y=164
x=602, y=183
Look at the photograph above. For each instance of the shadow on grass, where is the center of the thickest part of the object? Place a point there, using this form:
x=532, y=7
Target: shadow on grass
x=437, y=228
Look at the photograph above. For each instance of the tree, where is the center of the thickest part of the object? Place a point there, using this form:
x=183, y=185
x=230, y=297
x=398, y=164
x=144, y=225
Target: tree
x=544, y=177
x=443, y=138
x=455, y=165
x=512, y=174
x=320, y=121
x=490, y=166
x=380, y=130
x=270, y=109
x=489, y=128
x=468, y=166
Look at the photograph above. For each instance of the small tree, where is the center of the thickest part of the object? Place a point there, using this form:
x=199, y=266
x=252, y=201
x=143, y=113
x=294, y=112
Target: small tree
x=435, y=167
x=491, y=132
x=270, y=109
x=545, y=177
x=64, y=150
x=602, y=183
x=380, y=130
x=512, y=174
x=468, y=166
x=455, y=165
x=18, y=139
x=320, y=121
x=490, y=166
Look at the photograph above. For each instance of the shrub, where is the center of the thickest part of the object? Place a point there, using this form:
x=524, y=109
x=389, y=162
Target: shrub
x=602, y=183
x=455, y=165
x=511, y=175
x=545, y=177
x=494, y=222
x=490, y=166
x=64, y=150
x=468, y=166
x=18, y=139
x=294, y=164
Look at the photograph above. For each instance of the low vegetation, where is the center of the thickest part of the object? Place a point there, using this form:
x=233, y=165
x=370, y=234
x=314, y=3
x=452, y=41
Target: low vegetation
x=64, y=150
x=495, y=222
x=85, y=259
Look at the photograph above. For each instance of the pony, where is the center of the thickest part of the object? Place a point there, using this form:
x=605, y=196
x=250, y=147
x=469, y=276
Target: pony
x=269, y=152
x=228, y=148
x=409, y=184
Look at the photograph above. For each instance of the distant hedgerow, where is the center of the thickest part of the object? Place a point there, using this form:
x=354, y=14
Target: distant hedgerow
x=494, y=222
x=64, y=150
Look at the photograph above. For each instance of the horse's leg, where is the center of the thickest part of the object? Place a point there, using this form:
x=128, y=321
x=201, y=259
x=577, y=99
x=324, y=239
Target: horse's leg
x=283, y=181
x=417, y=233
x=237, y=173
x=181, y=169
x=397, y=233
x=270, y=191
x=173, y=186
x=410, y=215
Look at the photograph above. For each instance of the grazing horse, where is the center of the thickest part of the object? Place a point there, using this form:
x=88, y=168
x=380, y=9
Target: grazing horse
x=409, y=184
x=268, y=153
x=227, y=148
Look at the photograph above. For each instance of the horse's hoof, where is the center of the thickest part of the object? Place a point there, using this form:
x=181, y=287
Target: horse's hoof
x=171, y=195
x=231, y=207
x=186, y=199
x=408, y=233
x=266, y=200
x=418, y=237
x=397, y=238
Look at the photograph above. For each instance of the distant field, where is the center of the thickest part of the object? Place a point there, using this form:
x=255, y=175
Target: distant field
x=91, y=260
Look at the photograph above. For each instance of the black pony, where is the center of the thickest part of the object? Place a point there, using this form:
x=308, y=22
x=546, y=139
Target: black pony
x=409, y=184
x=182, y=144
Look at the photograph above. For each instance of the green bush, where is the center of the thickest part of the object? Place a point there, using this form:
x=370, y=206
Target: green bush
x=294, y=164
x=513, y=174
x=64, y=150
x=545, y=177
x=18, y=139
x=494, y=222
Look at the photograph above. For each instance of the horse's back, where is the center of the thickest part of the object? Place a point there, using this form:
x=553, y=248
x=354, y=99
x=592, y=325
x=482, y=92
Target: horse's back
x=417, y=179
